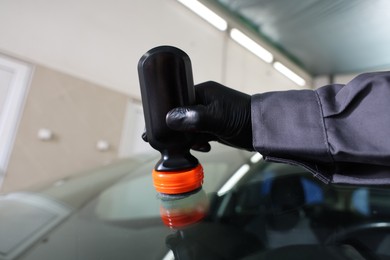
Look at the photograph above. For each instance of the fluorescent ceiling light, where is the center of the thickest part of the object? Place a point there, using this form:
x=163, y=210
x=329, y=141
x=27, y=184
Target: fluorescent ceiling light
x=251, y=45
x=256, y=158
x=234, y=179
x=205, y=13
x=169, y=256
x=289, y=74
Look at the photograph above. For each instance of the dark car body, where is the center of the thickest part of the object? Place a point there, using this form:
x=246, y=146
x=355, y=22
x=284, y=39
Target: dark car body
x=246, y=209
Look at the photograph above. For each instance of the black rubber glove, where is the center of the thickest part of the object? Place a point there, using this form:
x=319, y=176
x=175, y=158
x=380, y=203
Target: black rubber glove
x=221, y=114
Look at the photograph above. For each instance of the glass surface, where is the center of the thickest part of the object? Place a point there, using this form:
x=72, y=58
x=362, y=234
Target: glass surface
x=270, y=211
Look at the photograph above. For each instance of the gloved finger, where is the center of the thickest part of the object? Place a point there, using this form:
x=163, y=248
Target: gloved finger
x=201, y=147
x=144, y=136
x=201, y=142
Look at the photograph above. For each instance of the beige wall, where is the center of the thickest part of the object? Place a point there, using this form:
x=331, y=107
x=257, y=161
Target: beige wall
x=79, y=113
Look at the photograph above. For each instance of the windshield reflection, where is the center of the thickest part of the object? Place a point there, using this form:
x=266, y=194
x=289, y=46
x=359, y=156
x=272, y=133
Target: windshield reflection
x=270, y=211
x=280, y=211
x=185, y=210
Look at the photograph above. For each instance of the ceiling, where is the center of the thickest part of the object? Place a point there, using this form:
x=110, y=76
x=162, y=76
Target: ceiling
x=323, y=37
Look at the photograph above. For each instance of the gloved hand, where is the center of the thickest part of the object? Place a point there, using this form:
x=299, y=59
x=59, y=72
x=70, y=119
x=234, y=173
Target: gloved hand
x=221, y=114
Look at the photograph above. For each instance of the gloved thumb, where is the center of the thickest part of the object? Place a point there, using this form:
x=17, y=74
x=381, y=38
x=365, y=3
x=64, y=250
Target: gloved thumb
x=191, y=119
x=221, y=114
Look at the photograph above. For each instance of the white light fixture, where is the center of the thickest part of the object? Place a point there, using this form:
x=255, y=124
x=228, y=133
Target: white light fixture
x=45, y=134
x=205, y=13
x=289, y=74
x=102, y=146
x=234, y=179
x=251, y=45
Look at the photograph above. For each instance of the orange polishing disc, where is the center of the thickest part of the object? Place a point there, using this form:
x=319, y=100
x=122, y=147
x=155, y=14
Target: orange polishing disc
x=176, y=182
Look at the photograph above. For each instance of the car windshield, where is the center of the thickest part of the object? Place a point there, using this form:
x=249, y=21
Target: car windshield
x=246, y=209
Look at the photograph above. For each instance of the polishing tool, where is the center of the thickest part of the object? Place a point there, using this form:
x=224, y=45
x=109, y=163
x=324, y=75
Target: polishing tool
x=166, y=82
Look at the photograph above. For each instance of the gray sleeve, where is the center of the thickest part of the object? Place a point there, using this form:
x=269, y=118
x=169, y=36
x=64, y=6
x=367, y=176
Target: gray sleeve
x=338, y=132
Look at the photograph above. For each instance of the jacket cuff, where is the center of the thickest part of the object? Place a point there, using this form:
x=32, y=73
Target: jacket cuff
x=288, y=126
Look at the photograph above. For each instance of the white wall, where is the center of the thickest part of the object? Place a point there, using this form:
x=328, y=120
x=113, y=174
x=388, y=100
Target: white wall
x=86, y=54
x=248, y=73
x=102, y=40
x=323, y=80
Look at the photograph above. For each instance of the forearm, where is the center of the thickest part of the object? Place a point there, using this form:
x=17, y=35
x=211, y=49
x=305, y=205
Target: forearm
x=328, y=128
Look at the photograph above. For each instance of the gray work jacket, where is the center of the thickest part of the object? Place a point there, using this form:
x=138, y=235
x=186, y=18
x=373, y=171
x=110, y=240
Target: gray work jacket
x=341, y=133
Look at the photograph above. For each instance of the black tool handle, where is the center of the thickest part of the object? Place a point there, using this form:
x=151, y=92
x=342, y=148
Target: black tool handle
x=166, y=82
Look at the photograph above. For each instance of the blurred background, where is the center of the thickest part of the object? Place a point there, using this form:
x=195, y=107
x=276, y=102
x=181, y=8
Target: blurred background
x=69, y=91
